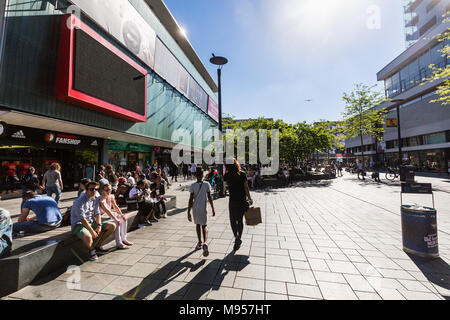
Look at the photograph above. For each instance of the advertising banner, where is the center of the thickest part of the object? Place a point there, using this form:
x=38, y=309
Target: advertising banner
x=184, y=81
x=120, y=19
x=197, y=95
x=166, y=64
x=213, y=109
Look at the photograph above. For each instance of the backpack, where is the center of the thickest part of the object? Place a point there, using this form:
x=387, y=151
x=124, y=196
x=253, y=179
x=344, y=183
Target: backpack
x=66, y=218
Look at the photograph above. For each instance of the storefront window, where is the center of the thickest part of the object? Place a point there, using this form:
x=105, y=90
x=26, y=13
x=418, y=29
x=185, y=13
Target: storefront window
x=435, y=138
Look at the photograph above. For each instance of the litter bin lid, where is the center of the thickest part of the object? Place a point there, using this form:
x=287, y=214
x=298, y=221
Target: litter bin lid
x=418, y=208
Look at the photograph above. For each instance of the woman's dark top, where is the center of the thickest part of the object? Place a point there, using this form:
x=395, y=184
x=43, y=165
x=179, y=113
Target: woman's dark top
x=162, y=190
x=30, y=181
x=236, y=185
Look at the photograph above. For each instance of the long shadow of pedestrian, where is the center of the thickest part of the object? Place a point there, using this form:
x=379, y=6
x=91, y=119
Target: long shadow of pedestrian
x=209, y=277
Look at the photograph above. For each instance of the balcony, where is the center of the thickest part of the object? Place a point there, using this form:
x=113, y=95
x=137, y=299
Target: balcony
x=412, y=36
x=412, y=6
x=412, y=22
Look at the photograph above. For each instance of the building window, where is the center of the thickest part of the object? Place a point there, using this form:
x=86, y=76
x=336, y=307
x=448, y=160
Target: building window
x=428, y=26
x=432, y=4
x=437, y=57
x=435, y=138
x=424, y=64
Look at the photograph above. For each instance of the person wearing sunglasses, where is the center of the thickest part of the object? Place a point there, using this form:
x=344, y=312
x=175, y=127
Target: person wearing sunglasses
x=108, y=207
x=86, y=221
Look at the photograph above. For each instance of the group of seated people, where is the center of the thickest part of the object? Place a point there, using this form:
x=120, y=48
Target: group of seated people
x=94, y=215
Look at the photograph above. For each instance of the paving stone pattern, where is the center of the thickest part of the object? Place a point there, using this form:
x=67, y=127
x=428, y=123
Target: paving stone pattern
x=329, y=240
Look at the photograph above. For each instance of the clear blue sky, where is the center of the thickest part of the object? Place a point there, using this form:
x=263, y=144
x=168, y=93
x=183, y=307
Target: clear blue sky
x=283, y=52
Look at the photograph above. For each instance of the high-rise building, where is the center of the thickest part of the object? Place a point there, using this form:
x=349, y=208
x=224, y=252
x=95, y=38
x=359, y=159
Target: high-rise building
x=421, y=16
x=425, y=126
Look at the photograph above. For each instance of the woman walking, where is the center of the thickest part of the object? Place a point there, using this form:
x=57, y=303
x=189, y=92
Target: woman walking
x=239, y=193
x=53, y=181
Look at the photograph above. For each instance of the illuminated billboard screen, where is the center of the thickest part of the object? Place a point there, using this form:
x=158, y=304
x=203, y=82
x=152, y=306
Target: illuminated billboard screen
x=94, y=73
x=102, y=74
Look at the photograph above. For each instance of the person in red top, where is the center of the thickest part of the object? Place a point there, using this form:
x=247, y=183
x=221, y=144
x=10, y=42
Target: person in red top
x=23, y=168
x=11, y=176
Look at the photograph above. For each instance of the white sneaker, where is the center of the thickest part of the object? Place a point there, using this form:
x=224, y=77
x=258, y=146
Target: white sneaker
x=165, y=216
x=142, y=225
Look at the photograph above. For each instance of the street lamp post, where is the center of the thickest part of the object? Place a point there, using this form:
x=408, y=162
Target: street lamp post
x=219, y=61
x=400, y=143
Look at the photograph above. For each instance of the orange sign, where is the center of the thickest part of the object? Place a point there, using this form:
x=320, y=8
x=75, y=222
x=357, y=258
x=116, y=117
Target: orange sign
x=391, y=123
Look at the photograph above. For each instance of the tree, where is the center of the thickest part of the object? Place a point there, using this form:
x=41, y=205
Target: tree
x=361, y=117
x=443, y=73
x=297, y=141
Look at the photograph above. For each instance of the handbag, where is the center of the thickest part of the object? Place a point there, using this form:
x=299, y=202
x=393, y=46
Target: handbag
x=253, y=216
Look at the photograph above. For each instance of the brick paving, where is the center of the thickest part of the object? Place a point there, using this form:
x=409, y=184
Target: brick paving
x=328, y=240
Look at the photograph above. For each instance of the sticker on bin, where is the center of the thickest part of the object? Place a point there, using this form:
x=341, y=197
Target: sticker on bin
x=431, y=240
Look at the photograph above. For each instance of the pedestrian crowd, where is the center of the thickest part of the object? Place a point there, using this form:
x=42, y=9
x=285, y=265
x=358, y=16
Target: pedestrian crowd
x=96, y=213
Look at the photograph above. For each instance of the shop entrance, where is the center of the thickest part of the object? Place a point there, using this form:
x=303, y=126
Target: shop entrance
x=75, y=164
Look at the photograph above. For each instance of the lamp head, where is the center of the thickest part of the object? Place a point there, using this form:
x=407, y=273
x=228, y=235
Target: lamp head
x=218, y=61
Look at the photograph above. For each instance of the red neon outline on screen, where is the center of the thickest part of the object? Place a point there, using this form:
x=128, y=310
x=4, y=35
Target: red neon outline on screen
x=64, y=80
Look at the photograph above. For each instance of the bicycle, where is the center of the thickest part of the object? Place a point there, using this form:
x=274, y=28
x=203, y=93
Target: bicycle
x=362, y=175
x=392, y=174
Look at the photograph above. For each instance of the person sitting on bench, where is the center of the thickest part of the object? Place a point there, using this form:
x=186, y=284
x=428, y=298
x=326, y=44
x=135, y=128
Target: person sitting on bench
x=48, y=216
x=146, y=213
x=5, y=233
x=87, y=223
x=157, y=193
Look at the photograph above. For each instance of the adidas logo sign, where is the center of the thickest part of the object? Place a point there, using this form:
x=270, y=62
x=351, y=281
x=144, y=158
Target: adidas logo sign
x=95, y=143
x=19, y=134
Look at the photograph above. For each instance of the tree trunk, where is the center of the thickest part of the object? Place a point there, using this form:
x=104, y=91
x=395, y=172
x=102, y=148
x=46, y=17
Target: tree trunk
x=362, y=150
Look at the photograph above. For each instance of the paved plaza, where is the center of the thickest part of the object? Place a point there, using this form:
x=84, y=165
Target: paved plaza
x=338, y=239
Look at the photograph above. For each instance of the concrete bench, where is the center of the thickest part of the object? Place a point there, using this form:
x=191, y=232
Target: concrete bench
x=37, y=256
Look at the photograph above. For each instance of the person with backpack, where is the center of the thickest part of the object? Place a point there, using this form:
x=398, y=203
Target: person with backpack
x=5, y=233
x=239, y=193
x=200, y=192
x=30, y=181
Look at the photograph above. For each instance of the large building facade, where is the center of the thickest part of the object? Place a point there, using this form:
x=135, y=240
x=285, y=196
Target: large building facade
x=421, y=16
x=425, y=126
x=85, y=82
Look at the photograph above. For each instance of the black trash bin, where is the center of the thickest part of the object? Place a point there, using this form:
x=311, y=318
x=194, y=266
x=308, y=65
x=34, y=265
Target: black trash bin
x=419, y=230
x=407, y=174
x=419, y=223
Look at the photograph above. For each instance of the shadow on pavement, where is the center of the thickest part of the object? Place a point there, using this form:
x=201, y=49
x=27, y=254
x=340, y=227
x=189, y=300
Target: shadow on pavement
x=177, y=211
x=436, y=271
x=307, y=184
x=209, y=277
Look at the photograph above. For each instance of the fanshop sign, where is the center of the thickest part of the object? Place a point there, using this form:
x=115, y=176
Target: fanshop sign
x=66, y=139
x=11, y=134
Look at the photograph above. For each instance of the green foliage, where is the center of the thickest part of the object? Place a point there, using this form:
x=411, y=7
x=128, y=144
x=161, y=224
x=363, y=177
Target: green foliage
x=361, y=118
x=297, y=141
